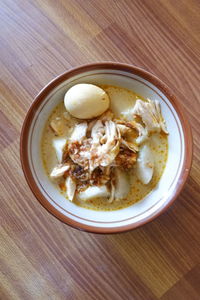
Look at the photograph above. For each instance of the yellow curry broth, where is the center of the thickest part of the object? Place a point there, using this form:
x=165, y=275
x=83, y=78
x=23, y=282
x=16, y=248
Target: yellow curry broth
x=121, y=100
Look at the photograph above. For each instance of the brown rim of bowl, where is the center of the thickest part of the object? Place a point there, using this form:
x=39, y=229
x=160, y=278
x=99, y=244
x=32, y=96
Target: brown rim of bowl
x=98, y=66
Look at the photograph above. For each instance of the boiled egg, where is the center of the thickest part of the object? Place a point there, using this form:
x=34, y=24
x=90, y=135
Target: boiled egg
x=86, y=101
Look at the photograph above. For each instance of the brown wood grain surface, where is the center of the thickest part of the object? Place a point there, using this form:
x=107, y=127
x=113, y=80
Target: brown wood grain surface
x=41, y=258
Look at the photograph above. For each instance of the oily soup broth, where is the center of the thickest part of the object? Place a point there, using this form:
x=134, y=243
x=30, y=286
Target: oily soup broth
x=121, y=100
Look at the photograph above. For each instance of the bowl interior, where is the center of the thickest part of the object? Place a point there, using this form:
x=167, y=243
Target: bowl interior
x=146, y=208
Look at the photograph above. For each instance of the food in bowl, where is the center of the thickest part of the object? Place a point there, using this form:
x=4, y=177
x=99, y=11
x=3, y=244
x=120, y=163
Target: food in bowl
x=105, y=147
x=178, y=148
x=86, y=101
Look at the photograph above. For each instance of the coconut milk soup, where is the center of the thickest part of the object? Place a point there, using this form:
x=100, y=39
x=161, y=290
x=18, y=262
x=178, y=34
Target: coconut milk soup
x=114, y=160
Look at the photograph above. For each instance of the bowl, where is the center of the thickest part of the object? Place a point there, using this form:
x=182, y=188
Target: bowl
x=179, y=153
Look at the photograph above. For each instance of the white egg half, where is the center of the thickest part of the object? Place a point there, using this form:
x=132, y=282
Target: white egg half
x=145, y=164
x=86, y=101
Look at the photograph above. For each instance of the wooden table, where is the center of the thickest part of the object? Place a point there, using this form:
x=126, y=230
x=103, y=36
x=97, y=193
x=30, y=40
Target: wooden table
x=41, y=258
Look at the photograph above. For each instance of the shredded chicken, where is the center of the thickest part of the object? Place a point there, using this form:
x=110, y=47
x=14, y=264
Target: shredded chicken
x=129, y=124
x=123, y=129
x=107, y=116
x=92, y=150
x=150, y=113
x=142, y=134
x=134, y=127
x=108, y=151
x=132, y=146
x=100, y=176
x=70, y=187
x=128, y=114
x=112, y=192
x=59, y=170
x=78, y=172
x=125, y=159
x=80, y=152
x=93, y=161
x=57, y=125
x=97, y=132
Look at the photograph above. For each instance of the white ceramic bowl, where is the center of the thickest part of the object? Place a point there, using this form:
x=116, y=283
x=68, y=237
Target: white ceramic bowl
x=172, y=180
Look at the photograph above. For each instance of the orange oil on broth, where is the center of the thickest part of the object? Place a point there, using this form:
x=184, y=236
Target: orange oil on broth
x=121, y=100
